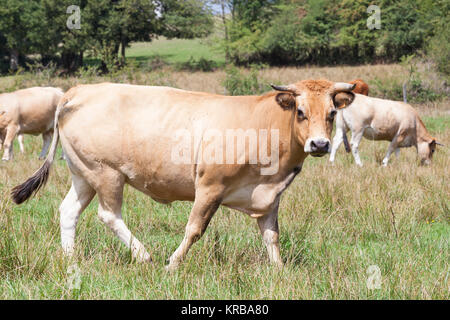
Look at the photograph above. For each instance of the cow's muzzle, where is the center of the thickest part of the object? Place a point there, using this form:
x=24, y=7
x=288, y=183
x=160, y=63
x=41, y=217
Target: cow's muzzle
x=318, y=147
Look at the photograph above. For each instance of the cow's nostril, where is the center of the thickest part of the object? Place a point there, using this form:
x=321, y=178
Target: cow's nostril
x=320, y=146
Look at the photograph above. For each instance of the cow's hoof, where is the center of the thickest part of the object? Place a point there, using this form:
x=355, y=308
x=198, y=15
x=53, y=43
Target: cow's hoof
x=5, y=159
x=171, y=268
x=144, y=258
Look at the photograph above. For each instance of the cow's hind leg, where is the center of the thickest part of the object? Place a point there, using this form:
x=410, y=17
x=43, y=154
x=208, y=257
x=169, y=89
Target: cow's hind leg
x=205, y=205
x=339, y=136
x=78, y=198
x=47, y=140
x=355, y=141
x=268, y=225
x=110, y=195
x=337, y=140
x=20, y=139
x=11, y=133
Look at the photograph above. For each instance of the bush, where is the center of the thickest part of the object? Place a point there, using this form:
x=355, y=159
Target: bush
x=439, y=51
x=201, y=64
x=386, y=88
x=417, y=90
x=238, y=83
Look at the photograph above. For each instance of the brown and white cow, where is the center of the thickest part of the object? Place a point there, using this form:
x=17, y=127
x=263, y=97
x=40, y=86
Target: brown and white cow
x=27, y=111
x=380, y=119
x=115, y=134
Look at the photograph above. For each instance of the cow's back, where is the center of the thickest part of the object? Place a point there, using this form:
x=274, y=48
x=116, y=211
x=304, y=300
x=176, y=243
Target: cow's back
x=381, y=118
x=133, y=129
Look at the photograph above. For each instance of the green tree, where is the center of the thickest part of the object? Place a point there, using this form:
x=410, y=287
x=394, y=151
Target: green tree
x=16, y=18
x=185, y=19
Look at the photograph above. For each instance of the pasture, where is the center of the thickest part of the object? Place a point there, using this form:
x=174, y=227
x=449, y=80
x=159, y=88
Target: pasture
x=335, y=222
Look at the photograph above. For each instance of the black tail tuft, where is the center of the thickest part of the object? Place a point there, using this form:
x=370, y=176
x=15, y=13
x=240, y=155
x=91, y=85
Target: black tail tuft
x=24, y=191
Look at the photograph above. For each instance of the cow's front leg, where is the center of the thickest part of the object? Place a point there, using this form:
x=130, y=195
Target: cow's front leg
x=11, y=132
x=268, y=225
x=392, y=147
x=206, y=203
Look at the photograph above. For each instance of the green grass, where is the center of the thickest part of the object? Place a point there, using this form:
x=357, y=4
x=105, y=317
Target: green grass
x=174, y=51
x=335, y=222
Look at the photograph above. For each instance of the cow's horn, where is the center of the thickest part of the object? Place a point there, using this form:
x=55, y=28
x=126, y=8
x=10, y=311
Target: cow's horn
x=440, y=144
x=283, y=88
x=342, y=86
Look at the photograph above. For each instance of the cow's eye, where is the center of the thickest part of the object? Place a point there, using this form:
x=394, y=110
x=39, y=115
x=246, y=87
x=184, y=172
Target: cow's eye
x=332, y=115
x=301, y=114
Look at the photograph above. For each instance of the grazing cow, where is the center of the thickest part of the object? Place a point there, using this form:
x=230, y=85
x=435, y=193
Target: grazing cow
x=114, y=134
x=27, y=111
x=379, y=119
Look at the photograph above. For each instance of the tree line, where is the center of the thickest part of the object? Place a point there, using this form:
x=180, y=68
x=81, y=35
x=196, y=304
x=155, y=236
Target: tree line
x=333, y=31
x=276, y=32
x=48, y=30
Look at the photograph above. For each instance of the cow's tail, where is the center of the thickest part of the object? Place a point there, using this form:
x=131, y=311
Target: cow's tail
x=346, y=144
x=23, y=192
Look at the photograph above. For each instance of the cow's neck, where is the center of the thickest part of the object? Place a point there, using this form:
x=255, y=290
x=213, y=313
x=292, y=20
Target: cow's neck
x=291, y=154
x=421, y=131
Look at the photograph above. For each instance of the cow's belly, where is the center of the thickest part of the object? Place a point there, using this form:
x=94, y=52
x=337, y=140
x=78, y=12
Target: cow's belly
x=35, y=126
x=258, y=199
x=371, y=133
x=163, y=184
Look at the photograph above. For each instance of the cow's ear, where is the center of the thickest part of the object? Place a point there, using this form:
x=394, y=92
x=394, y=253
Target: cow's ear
x=434, y=142
x=285, y=100
x=2, y=112
x=343, y=99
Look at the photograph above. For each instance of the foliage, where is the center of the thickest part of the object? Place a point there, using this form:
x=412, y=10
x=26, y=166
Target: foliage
x=186, y=19
x=238, y=83
x=30, y=27
x=201, y=64
x=419, y=89
x=334, y=31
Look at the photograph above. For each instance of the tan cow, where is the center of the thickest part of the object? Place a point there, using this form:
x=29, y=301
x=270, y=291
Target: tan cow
x=27, y=111
x=379, y=119
x=114, y=134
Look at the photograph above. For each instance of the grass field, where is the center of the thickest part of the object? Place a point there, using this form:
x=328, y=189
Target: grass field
x=175, y=50
x=335, y=221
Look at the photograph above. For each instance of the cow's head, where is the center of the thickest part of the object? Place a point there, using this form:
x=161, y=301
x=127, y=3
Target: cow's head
x=426, y=149
x=315, y=104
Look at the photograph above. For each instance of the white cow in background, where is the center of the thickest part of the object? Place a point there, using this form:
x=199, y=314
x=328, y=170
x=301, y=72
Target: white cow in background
x=379, y=119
